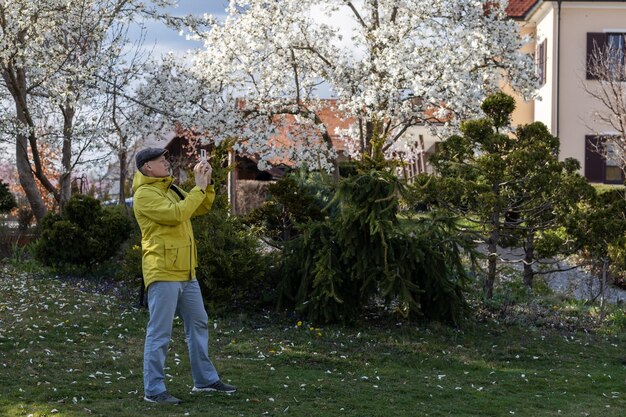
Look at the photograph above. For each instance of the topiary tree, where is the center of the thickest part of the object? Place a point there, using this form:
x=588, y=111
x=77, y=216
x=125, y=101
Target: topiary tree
x=511, y=185
x=85, y=234
x=546, y=191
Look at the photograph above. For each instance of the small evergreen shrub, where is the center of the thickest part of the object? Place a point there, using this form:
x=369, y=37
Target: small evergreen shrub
x=7, y=237
x=129, y=263
x=85, y=234
x=128, y=267
x=422, y=195
x=295, y=199
x=7, y=199
x=617, y=319
x=339, y=266
x=598, y=227
x=614, y=192
x=25, y=217
x=233, y=270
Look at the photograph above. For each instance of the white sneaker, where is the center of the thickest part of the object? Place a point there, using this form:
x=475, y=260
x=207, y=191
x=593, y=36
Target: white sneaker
x=218, y=386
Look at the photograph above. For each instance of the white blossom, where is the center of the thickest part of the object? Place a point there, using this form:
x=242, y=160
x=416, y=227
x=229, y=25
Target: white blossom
x=402, y=63
x=56, y=60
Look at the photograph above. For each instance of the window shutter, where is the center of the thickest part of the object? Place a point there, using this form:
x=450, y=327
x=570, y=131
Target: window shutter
x=594, y=161
x=595, y=40
x=541, y=56
x=545, y=60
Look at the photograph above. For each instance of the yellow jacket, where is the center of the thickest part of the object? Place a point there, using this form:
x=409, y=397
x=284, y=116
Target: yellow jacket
x=168, y=247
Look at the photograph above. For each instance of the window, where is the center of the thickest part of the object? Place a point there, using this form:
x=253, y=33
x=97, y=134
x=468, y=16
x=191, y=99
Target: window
x=615, y=43
x=541, y=56
x=605, y=56
x=601, y=163
x=613, y=172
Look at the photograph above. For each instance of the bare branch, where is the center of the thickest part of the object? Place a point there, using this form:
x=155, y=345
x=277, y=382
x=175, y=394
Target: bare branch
x=356, y=13
x=607, y=87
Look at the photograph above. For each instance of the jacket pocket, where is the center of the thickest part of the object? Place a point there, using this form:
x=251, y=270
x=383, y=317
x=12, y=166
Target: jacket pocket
x=178, y=256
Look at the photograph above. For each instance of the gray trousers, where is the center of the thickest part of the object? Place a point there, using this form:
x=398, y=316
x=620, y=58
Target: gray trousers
x=166, y=299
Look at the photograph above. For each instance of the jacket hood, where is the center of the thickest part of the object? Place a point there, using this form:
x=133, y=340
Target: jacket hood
x=139, y=179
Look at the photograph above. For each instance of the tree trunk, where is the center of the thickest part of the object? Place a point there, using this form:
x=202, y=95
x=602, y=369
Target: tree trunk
x=15, y=81
x=329, y=142
x=492, y=257
x=494, y=237
x=65, y=182
x=605, y=267
x=123, y=156
x=369, y=132
x=529, y=250
x=27, y=179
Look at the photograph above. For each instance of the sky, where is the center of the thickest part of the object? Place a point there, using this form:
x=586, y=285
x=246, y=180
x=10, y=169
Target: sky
x=164, y=39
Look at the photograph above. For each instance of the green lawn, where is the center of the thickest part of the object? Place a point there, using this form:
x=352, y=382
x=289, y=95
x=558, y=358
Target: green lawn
x=66, y=350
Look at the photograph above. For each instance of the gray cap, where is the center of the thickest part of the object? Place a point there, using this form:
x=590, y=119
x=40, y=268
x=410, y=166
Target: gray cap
x=148, y=154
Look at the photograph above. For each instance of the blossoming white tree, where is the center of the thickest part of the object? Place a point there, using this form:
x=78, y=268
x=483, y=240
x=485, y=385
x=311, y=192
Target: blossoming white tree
x=391, y=64
x=52, y=57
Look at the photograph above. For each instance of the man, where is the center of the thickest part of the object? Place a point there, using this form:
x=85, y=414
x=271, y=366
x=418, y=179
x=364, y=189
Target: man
x=163, y=212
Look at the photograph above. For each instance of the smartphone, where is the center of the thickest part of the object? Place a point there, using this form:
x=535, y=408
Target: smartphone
x=203, y=154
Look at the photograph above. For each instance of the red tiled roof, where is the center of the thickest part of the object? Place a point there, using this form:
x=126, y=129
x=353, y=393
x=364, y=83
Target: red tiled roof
x=330, y=116
x=519, y=8
x=333, y=119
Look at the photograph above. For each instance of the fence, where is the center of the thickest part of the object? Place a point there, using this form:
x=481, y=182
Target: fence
x=12, y=238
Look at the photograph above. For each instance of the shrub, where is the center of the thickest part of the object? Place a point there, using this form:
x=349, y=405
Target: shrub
x=339, y=266
x=617, y=319
x=84, y=235
x=615, y=192
x=25, y=217
x=129, y=265
x=296, y=199
x=233, y=269
x=7, y=199
x=422, y=196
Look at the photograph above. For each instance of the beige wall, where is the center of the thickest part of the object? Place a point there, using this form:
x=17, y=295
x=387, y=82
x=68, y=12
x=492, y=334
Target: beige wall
x=524, y=110
x=541, y=26
x=545, y=108
x=575, y=105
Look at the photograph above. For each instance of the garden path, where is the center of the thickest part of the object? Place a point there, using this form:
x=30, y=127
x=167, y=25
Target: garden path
x=576, y=283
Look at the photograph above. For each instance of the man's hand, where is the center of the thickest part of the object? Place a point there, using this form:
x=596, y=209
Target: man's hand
x=203, y=171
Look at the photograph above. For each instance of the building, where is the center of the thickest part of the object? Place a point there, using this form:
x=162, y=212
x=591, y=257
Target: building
x=564, y=34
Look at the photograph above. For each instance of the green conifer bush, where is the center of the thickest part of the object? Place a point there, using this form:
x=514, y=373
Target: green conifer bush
x=361, y=255
x=85, y=234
